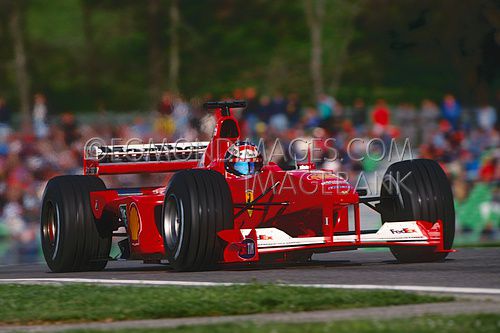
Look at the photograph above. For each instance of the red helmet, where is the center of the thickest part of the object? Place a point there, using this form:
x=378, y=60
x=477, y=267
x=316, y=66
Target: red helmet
x=243, y=158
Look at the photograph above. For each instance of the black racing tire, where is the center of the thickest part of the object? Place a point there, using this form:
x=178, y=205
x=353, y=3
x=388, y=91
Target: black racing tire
x=425, y=195
x=71, y=238
x=197, y=205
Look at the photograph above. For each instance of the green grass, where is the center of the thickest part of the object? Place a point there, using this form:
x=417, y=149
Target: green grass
x=47, y=303
x=482, y=323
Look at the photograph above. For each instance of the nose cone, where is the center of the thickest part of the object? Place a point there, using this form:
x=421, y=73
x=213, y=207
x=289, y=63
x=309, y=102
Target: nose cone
x=330, y=182
x=323, y=183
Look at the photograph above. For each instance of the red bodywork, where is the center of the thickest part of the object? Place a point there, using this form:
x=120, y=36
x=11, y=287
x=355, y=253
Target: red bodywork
x=304, y=210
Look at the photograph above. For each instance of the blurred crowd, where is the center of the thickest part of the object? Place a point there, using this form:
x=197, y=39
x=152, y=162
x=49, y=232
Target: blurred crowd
x=465, y=141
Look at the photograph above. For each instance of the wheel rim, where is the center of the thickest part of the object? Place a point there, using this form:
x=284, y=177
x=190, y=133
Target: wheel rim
x=173, y=224
x=51, y=228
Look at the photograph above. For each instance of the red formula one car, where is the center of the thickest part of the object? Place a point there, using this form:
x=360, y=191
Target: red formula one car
x=222, y=204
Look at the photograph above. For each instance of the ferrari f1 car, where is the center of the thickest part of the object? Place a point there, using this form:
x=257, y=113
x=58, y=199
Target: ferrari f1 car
x=222, y=204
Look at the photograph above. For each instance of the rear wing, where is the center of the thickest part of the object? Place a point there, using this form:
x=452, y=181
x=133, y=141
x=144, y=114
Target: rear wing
x=141, y=158
x=225, y=106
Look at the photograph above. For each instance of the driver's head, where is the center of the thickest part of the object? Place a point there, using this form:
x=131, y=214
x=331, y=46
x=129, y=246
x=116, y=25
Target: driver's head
x=243, y=158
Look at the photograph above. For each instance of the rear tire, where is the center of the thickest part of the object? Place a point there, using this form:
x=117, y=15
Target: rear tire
x=429, y=199
x=71, y=238
x=197, y=205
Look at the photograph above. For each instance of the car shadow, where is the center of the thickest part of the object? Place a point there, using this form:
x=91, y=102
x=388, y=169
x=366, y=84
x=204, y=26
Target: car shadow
x=317, y=264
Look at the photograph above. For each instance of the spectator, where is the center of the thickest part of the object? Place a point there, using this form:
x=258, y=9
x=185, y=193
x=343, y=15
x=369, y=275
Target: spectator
x=326, y=105
x=451, y=110
x=428, y=122
x=40, y=116
x=486, y=117
x=380, y=117
x=293, y=108
x=497, y=107
x=166, y=105
x=165, y=125
x=278, y=104
x=487, y=172
x=264, y=110
x=181, y=117
x=406, y=119
x=311, y=118
x=250, y=114
x=70, y=128
x=252, y=102
x=278, y=119
x=359, y=113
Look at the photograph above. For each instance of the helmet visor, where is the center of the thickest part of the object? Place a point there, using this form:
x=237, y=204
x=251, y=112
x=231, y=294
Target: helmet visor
x=244, y=168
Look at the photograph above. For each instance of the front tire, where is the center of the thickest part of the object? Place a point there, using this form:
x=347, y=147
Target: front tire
x=197, y=205
x=426, y=195
x=71, y=238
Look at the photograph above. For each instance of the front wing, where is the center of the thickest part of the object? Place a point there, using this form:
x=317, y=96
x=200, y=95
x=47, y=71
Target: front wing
x=248, y=244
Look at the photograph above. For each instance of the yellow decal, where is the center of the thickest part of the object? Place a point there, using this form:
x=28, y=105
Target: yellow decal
x=321, y=176
x=134, y=224
x=249, y=198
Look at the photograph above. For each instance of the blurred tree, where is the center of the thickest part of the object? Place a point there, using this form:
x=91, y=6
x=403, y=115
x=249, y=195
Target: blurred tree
x=339, y=31
x=90, y=48
x=315, y=13
x=16, y=11
x=415, y=49
x=465, y=42
x=174, y=46
x=156, y=56
x=85, y=54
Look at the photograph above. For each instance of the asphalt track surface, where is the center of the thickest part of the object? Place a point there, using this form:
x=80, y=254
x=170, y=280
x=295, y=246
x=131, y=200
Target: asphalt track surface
x=467, y=268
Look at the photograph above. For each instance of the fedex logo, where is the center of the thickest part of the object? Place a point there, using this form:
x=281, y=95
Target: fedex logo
x=403, y=231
